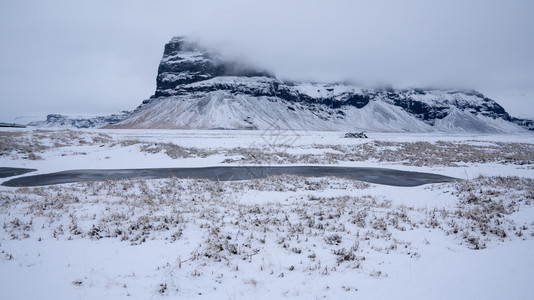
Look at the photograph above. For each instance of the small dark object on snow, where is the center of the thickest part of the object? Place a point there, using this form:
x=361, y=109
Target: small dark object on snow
x=357, y=135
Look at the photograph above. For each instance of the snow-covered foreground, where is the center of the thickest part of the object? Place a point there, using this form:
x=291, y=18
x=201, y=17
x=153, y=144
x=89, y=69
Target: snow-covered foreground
x=278, y=237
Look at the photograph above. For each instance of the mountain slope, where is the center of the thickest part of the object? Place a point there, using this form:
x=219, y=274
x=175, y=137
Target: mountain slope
x=199, y=89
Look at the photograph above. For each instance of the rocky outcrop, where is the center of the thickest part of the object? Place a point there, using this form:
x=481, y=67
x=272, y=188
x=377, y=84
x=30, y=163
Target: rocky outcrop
x=64, y=121
x=197, y=88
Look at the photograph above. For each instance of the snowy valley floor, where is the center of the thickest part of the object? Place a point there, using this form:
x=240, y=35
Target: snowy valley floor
x=277, y=237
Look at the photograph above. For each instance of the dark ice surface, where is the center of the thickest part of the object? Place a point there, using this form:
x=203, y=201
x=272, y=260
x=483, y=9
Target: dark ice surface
x=8, y=172
x=373, y=175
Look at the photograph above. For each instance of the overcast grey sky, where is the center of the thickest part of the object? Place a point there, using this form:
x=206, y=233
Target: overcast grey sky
x=99, y=57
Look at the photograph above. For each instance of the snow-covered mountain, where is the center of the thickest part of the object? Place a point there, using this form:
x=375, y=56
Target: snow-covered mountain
x=64, y=121
x=197, y=88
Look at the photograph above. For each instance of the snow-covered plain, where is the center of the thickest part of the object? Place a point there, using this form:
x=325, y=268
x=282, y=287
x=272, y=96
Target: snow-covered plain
x=280, y=237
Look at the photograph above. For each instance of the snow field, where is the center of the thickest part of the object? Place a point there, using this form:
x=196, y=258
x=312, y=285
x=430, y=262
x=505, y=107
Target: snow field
x=279, y=237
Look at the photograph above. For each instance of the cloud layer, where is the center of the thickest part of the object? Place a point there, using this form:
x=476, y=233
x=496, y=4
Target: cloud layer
x=102, y=56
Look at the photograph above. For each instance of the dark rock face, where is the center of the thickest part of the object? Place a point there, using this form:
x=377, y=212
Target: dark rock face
x=188, y=69
x=57, y=120
x=184, y=62
x=422, y=110
x=525, y=123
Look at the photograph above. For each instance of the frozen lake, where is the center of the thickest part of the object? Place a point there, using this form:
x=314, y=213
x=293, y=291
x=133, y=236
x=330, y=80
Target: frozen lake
x=373, y=175
x=9, y=172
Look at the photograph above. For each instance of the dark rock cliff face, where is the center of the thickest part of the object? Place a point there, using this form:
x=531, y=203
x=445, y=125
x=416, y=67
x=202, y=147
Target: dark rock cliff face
x=184, y=63
x=525, y=123
x=188, y=69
